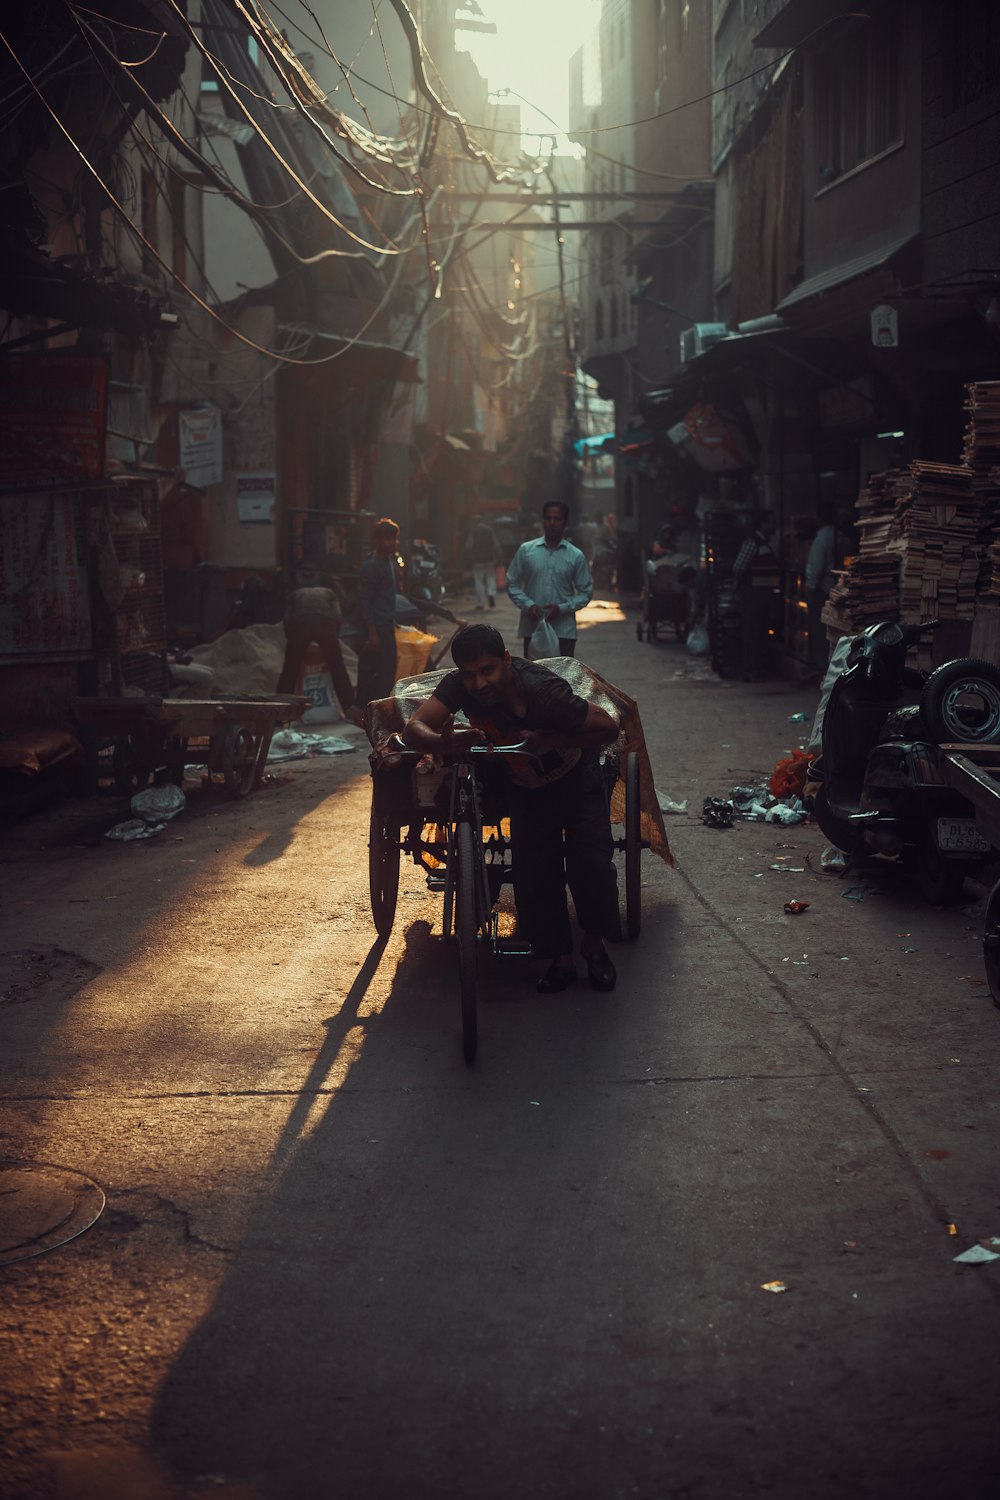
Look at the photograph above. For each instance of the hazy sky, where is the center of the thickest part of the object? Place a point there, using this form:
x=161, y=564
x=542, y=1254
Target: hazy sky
x=531, y=51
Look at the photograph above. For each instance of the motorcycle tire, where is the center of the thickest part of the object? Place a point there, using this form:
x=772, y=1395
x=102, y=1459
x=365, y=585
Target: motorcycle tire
x=960, y=703
x=842, y=834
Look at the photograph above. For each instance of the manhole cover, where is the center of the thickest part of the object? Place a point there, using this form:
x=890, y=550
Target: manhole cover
x=42, y=1206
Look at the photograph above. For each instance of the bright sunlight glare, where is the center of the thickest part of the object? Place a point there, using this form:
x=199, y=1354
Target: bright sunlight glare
x=530, y=55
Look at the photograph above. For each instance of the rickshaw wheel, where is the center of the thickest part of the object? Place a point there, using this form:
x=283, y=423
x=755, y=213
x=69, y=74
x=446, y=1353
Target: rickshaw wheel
x=466, y=929
x=633, y=848
x=383, y=871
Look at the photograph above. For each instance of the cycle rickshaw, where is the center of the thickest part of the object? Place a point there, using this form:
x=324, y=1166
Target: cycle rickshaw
x=451, y=821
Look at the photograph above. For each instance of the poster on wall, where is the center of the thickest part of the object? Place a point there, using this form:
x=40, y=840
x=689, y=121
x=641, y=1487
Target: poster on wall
x=201, y=445
x=256, y=496
x=44, y=593
x=53, y=418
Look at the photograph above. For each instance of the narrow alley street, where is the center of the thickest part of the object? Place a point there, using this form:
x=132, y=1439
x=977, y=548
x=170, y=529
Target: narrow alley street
x=334, y=1261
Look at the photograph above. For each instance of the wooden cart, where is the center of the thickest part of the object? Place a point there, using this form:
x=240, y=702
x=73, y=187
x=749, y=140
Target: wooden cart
x=974, y=770
x=230, y=736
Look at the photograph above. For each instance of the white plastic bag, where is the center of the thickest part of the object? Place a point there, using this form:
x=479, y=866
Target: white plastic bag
x=543, y=641
x=698, y=643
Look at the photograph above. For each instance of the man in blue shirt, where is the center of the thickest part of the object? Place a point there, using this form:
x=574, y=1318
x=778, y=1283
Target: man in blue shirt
x=377, y=614
x=548, y=579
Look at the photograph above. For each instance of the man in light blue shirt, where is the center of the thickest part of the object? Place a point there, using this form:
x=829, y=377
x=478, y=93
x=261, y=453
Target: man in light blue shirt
x=548, y=579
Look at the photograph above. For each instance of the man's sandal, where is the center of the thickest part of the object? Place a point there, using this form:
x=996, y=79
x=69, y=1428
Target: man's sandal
x=600, y=970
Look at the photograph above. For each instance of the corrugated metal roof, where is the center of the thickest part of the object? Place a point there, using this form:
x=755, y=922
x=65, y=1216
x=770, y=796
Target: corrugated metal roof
x=846, y=270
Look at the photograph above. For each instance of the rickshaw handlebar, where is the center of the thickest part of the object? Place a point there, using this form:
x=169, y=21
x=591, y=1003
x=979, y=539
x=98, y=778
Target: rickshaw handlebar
x=400, y=749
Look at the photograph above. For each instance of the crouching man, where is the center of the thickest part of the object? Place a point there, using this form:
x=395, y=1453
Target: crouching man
x=560, y=824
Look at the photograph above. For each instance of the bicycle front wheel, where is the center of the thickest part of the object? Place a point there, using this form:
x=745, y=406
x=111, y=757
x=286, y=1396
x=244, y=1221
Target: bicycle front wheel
x=466, y=932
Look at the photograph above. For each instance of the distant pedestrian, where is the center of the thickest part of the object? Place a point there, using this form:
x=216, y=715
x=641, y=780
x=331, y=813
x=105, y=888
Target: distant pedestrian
x=548, y=579
x=584, y=535
x=826, y=558
x=377, y=615
x=757, y=579
x=484, y=551
x=313, y=614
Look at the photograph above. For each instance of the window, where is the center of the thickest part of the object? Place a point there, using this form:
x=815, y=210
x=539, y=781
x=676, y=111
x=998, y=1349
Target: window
x=607, y=255
x=614, y=315
x=858, y=95
x=599, y=321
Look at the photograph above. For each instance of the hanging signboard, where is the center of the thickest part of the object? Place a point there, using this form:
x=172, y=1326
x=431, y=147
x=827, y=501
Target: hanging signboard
x=255, y=497
x=201, y=445
x=885, y=327
x=53, y=418
x=44, y=596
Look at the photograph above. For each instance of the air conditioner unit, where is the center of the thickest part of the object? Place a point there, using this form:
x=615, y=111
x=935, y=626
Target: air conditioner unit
x=699, y=337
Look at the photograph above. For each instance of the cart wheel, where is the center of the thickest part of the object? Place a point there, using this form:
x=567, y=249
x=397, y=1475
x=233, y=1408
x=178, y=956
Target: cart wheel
x=467, y=927
x=633, y=848
x=238, y=760
x=130, y=776
x=383, y=871
x=991, y=944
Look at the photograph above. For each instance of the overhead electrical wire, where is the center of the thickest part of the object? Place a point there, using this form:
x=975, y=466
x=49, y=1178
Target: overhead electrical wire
x=269, y=144
x=278, y=51
x=151, y=249
x=191, y=153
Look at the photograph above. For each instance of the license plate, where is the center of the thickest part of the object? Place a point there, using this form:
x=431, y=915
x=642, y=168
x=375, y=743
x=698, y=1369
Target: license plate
x=961, y=836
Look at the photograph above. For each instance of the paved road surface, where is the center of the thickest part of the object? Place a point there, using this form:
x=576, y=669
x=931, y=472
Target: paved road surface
x=335, y=1262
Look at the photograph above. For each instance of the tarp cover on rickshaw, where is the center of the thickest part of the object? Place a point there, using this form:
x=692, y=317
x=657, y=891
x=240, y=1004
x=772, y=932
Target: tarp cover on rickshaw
x=385, y=717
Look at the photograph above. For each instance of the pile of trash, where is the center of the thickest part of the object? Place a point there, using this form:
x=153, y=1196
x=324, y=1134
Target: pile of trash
x=297, y=744
x=151, y=810
x=754, y=804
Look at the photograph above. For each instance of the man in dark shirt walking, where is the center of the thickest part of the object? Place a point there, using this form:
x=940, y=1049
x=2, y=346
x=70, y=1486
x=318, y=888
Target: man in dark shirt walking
x=560, y=823
x=377, y=615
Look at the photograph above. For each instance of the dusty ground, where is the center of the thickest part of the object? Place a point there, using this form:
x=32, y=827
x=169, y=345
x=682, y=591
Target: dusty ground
x=335, y=1262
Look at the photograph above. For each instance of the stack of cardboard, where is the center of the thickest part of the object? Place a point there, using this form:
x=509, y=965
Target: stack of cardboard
x=981, y=452
x=867, y=592
x=935, y=530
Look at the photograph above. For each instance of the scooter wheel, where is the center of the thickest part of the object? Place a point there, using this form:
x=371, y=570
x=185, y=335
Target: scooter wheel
x=842, y=834
x=960, y=703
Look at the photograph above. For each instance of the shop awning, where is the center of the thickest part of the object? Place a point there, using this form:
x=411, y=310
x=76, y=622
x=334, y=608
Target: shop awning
x=595, y=444
x=846, y=270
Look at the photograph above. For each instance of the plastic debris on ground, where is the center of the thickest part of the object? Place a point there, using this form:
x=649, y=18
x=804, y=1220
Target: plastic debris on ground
x=795, y=908
x=716, y=813
x=668, y=805
x=798, y=718
x=855, y=892
x=293, y=744
x=134, y=828
x=980, y=1253
x=158, y=804
x=833, y=861
x=758, y=804
x=773, y=1286
x=697, y=671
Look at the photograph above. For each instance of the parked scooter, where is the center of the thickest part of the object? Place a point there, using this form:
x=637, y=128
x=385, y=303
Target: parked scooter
x=882, y=787
x=424, y=578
